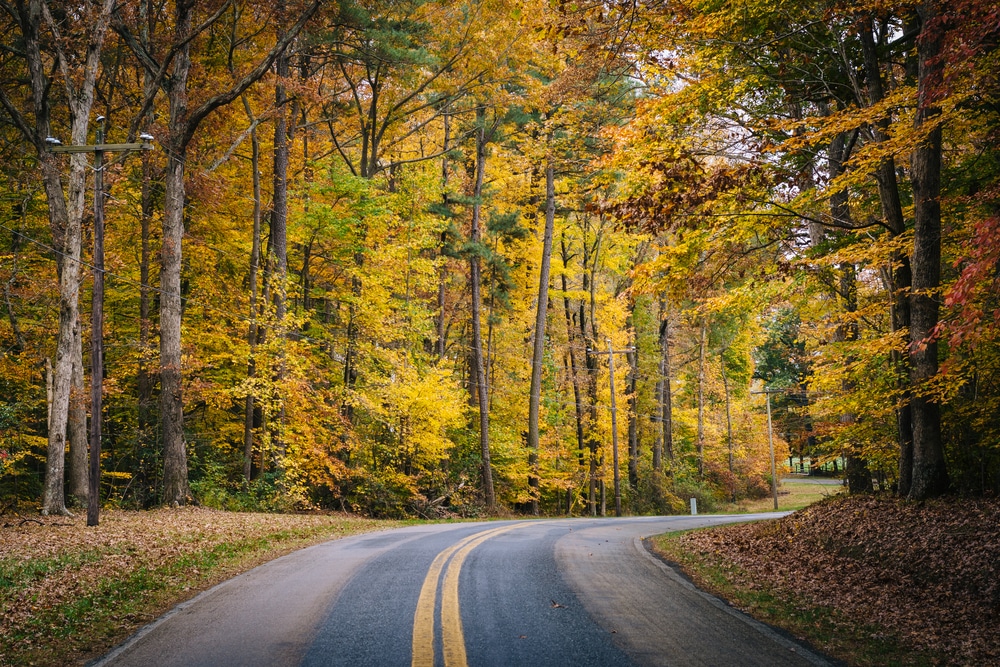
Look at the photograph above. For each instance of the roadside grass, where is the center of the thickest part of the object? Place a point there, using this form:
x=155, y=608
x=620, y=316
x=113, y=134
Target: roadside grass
x=69, y=593
x=793, y=494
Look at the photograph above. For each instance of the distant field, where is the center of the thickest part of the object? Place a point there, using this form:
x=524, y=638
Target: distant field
x=793, y=494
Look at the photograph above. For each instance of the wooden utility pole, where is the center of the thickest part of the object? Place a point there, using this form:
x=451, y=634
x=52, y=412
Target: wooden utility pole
x=97, y=309
x=614, y=421
x=770, y=443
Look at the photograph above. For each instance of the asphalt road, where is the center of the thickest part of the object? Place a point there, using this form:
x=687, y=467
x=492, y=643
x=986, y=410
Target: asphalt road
x=548, y=592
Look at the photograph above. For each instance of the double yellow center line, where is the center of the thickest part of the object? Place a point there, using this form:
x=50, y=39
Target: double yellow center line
x=452, y=639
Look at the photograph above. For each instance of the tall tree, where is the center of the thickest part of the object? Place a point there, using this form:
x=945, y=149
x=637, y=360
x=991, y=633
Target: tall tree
x=538, y=346
x=182, y=124
x=253, y=328
x=279, y=207
x=664, y=392
x=475, y=282
x=65, y=209
x=930, y=475
x=899, y=272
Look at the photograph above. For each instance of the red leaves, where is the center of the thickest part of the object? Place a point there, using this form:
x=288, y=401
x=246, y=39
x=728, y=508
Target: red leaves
x=977, y=287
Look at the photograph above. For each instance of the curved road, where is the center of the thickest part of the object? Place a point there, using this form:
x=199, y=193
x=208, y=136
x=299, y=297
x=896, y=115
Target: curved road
x=545, y=592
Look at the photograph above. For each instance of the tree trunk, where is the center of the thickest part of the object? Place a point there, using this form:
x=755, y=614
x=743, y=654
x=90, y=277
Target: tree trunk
x=665, y=391
x=475, y=279
x=930, y=475
x=53, y=501
x=900, y=275
x=65, y=215
x=589, y=338
x=145, y=379
x=175, y=472
x=633, y=418
x=249, y=408
x=79, y=467
x=350, y=356
x=571, y=341
x=440, y=343
x=702, y=350
x=306, y=274
x=729, y=415
x=541, y=316
x=279, y=231
x=859, y=476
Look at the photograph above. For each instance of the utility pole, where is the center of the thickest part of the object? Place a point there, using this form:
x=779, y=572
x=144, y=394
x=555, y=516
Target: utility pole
x=614, y=421
x=97, y=304
x=770, y=443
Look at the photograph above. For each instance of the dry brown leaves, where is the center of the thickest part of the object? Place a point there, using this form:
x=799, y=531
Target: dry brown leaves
x=51, y=562
x=925, y=574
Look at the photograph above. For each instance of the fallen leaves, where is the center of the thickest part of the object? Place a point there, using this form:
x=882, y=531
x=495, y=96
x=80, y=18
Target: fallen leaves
x=927, y=575
x=125, y=572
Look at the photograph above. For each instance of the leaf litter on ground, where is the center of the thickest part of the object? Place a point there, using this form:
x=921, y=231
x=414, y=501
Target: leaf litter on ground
x=69, y=592
x=924, y=575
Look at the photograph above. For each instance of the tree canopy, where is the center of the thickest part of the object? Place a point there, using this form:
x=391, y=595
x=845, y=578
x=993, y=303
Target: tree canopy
x=380, y=251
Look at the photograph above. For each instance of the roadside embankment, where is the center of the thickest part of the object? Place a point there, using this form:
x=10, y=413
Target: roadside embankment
x=870, y=580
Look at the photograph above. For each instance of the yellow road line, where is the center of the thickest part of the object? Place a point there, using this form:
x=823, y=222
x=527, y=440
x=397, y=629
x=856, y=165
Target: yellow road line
x=423, y=619
x=453, y=642
x=452, y=637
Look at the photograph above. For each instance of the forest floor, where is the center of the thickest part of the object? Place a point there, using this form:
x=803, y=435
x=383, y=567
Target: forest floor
x=69, y=592
x=868, y=580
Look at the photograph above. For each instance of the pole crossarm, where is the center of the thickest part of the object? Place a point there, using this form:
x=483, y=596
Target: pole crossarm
x=106, y=148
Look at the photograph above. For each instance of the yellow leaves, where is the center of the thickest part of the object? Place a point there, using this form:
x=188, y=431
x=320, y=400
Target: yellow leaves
x=417, y=407
x=897, y=107
x=878, y=250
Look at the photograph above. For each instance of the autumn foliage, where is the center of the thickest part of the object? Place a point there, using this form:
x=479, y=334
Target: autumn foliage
x=323, y=283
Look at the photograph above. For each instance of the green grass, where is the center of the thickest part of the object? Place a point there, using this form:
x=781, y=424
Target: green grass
x=792, y=495
x=15, y=573
x=115, y=599
x=88, y=623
